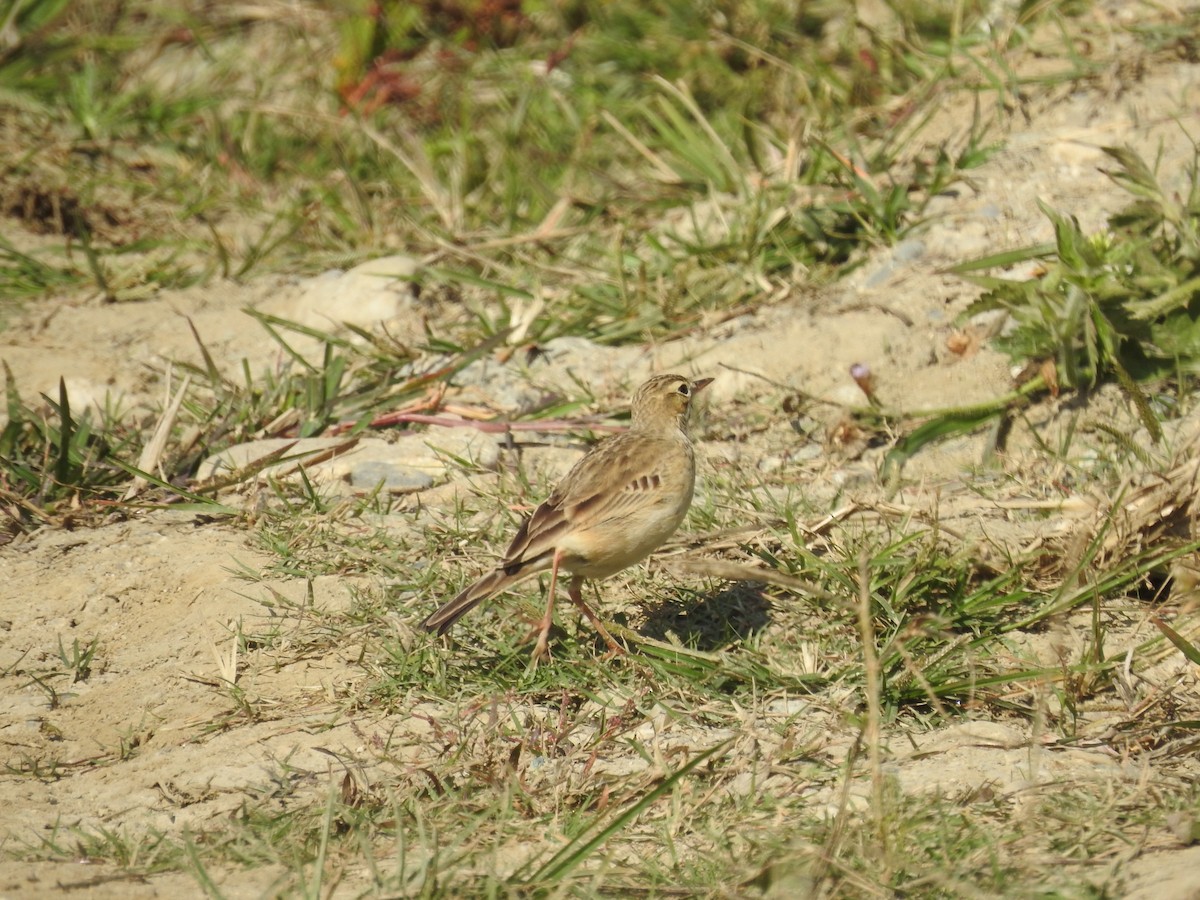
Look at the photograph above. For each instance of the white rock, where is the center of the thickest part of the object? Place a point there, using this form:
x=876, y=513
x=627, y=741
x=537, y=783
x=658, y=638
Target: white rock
x=376, y=291
x=410, y=463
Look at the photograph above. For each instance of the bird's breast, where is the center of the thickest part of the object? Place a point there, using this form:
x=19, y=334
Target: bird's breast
x=633, y=533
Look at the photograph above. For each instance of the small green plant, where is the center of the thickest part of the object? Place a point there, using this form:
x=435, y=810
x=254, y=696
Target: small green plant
x=1122, y=304
x=23, y=275
x=53, y=460
x=78, y=660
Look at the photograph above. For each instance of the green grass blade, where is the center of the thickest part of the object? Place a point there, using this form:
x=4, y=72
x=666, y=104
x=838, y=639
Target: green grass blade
x=1186, y=647
x=579, y=849
x=1002, y=260
x=950, y=425
x=208, y=505
x=62, y=464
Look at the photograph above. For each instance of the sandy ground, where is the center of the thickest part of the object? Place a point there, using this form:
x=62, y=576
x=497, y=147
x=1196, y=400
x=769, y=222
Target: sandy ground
x=135, y=743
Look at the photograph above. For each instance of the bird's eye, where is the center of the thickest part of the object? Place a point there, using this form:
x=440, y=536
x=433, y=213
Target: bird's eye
x=685, y=389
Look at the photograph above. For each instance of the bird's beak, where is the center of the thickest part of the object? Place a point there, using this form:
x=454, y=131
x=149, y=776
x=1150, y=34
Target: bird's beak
x=700, y=384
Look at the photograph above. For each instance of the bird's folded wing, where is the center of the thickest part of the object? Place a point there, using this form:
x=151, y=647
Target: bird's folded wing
x=602, y=486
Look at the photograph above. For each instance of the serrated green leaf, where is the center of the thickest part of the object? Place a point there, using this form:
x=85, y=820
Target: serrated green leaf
x=1168, y=301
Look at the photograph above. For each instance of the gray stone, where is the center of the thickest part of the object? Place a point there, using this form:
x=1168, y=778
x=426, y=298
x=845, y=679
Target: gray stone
x=908, y=250
x=902, y=254
x=396, y=479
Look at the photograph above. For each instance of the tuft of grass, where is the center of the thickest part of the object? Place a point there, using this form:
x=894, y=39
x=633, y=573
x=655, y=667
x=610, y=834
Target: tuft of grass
x=1117, y=306
x=1121, y=304
x=54, y=460
x=58, y=463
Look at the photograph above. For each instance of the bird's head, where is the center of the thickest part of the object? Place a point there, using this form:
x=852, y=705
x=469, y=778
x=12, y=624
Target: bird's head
x=663, y=402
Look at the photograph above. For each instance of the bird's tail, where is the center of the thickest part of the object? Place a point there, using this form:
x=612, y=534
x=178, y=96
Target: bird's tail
x=471, y=597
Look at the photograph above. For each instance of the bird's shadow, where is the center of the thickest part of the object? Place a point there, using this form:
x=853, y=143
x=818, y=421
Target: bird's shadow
x=711, y=621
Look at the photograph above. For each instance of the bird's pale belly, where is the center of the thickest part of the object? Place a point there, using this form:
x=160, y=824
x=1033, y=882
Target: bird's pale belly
x=626, y=540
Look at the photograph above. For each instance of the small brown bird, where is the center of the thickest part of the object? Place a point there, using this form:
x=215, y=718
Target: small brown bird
x=613, y=509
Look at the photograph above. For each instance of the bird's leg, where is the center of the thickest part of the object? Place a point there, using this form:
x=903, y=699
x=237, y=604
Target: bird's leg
x=548, y=619
x=575, y=592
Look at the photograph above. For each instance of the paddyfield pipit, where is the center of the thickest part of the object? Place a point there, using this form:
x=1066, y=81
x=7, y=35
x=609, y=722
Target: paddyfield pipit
x=617, y=505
